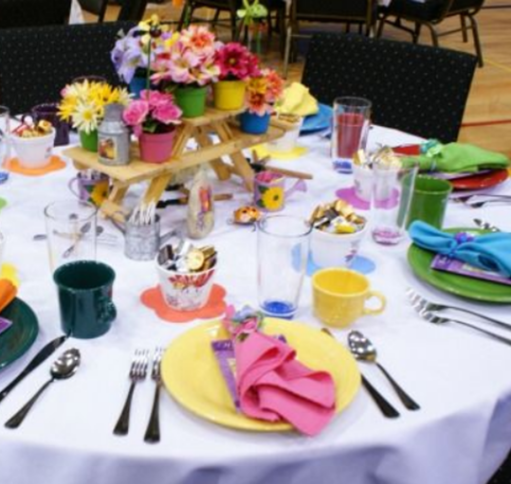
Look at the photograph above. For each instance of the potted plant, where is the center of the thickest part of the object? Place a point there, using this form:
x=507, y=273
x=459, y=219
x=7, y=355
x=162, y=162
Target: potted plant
x=83, y=104
x=153, y=118
x=186, y=68
x=135, y=52
x=262, y=93
x=237, y=64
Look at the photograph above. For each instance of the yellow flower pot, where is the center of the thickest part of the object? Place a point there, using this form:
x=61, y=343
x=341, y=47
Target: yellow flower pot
x=229, y=95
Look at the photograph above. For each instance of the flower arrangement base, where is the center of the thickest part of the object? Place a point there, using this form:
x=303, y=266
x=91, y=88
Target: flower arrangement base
x=156, y=148
x=191, y=100
x=89, y=141
x=219, y=124
x=229, y=95
x=254, y=124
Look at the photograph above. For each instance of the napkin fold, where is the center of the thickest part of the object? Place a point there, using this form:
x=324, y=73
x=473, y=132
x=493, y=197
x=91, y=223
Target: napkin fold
x=458, y=157
x=297, y=100
x=273, y=385
x=490, y=252
x=8, y=292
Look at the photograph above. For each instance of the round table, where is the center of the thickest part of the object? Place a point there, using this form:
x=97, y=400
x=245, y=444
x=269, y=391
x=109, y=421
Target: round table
x=460, y=435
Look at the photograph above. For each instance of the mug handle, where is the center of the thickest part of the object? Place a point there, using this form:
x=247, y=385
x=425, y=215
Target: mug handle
x=380, y=297
x=70, y=185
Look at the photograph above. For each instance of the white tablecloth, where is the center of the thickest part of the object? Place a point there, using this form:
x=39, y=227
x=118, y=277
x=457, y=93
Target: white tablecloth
x=460, y=378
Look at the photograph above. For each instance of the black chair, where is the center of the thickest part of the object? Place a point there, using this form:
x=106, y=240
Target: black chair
x=431, y=13
x=33, y=13
x=96, y=7
x=132, y=10
x=36, y=63
x=361, y=13
x=414, y=88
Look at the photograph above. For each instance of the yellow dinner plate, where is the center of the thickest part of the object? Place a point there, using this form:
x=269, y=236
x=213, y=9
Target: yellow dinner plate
x=191, y=374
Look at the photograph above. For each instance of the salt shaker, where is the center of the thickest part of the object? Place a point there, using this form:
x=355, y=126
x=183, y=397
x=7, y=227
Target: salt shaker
x=113, y=137
x=201, y=217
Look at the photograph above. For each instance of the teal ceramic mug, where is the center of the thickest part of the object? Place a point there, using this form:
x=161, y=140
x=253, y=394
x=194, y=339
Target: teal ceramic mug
x=85, y=298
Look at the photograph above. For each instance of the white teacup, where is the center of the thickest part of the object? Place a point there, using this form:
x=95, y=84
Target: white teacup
x=34, y=152
x=335, y=250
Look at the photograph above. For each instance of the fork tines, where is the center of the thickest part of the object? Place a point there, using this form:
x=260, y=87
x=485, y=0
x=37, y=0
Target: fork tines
x=156, y=369
x=139, y=364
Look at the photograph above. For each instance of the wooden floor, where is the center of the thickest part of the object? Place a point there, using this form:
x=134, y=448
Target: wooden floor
x=487, y=120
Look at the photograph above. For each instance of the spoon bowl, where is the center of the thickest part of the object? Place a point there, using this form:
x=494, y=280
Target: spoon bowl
x=362, y=349
x=63, y=367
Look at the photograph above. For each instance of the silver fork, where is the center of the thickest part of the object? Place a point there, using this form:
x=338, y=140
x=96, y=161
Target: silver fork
x=438, y=320
x=152, y=434
x=138, y=371
x=420, y=304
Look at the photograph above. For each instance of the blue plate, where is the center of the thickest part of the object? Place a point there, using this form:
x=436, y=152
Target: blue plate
x=318, y=122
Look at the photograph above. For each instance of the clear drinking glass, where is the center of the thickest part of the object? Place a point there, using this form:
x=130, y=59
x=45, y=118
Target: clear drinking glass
x=282, y=253
x=392, y=195
x=71, y=231
x=350, y=130
x=4, y=134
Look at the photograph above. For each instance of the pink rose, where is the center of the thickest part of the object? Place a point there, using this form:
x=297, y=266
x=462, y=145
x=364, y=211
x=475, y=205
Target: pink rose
x=167, y=113
x=136, y=113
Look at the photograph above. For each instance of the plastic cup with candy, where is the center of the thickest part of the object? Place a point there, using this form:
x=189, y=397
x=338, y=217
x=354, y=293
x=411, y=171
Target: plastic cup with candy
x=33, y=144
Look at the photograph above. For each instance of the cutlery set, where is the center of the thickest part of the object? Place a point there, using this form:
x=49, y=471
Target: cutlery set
x=138, y=372
x=363, y=350
x=427, y=311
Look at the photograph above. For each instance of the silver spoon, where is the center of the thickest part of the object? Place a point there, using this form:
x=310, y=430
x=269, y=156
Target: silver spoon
x=37, y=237
x=83, y=230
x=64, y=367
x=364, y=350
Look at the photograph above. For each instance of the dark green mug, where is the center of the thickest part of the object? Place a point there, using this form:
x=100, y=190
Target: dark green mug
x=429, y=200
x=85, y=298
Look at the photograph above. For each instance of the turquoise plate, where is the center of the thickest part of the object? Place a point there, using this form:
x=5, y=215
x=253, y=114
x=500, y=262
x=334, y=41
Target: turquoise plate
x=318, y=122
x=19, y=337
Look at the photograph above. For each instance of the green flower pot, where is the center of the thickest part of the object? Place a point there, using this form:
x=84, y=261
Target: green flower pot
x=89, y=141
x=191, y=100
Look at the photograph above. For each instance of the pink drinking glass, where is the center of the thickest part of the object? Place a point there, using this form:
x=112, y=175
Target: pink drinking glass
x=350, y=129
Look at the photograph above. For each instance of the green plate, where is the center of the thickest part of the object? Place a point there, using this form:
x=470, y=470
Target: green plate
x=19, y=337
x=485, y=291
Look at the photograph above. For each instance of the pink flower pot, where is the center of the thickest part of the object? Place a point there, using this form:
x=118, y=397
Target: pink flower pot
x=156, y=148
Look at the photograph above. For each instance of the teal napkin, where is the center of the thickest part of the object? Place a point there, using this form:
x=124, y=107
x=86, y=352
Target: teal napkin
x=458, y=157
x=490, y=252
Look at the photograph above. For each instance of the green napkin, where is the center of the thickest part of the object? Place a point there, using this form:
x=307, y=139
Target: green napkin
x=458, y=157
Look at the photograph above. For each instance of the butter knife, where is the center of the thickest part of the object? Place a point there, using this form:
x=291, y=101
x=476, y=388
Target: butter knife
x=44, y=352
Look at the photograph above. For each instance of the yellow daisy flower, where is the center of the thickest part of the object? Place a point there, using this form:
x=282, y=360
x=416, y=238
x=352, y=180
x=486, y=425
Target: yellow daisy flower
x=273, y=198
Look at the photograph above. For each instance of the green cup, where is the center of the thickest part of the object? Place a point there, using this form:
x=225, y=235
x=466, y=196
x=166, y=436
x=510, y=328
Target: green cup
x=429, y=200
x=85, y=298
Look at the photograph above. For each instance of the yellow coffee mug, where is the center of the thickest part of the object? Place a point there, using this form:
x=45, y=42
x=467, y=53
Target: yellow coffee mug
x=339, y=296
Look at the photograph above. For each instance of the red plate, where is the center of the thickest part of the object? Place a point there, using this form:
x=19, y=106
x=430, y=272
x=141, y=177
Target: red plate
x=480, y=181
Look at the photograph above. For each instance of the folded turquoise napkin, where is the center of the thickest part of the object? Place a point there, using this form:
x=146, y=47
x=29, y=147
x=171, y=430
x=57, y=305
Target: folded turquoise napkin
x=490, y=252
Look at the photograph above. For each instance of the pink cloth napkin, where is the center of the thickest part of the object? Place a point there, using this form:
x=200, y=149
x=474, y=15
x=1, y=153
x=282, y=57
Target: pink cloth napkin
x=273, y=385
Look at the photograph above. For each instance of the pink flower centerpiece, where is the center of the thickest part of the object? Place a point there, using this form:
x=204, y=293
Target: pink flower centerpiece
x=187, y=67
x=153, y=118
x=237, y=64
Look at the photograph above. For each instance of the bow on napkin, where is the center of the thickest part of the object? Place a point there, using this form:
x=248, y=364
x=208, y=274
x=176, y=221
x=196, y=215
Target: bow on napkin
x=457, y=157
x=272, y=385
x=490, y=252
